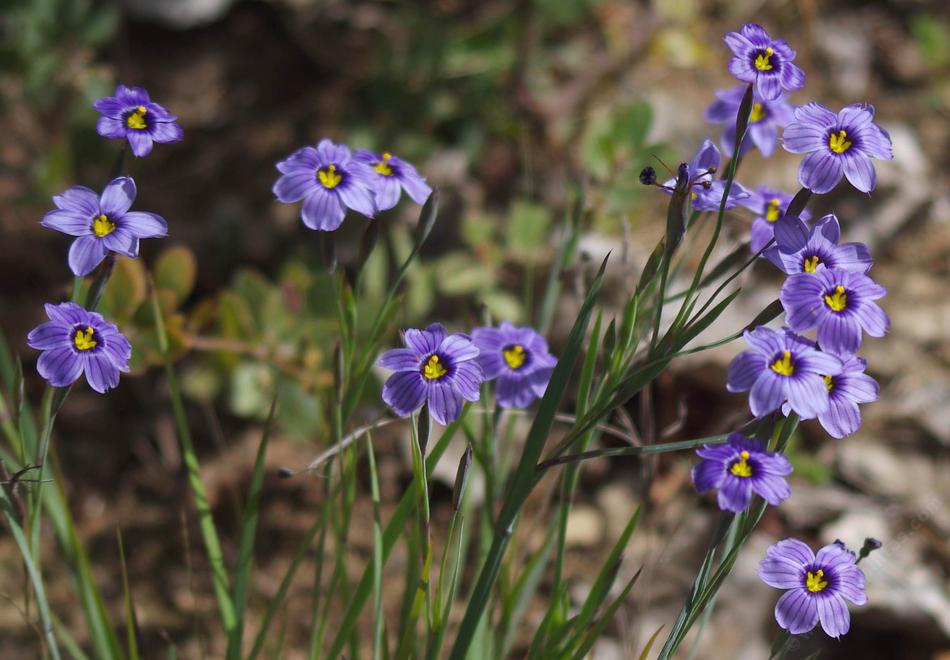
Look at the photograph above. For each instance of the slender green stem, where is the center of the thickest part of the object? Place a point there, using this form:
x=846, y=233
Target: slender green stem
x=209, y=533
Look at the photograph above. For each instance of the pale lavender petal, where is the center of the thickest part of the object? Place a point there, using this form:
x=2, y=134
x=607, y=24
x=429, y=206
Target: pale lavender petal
x=796, y=611
x=141, y=143
x=50, y=334
x=85, y=254
x=117, y=197
x=445, y=402
x=68, y=221
x=833, y=614
x=59, y=366
x=109, y=127
x=859, y=170
x=322, y=211
x=399, y=359
x=468, y=378
x=820, y=171
x=404, y=392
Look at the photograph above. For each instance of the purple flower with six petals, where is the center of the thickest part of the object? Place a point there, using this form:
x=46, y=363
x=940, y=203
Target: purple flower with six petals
x=518, y=358
x=706, y=193
x=328, y=180
x=817, y=586
x=767, y=62
x=739, y=468
x=769, y=205
x=132, y=115
x=782, y=366
x=765, y=118
x=837, y=144
x=839, y=302
x=102, y=223
x=76, y=341
x=822, y=250
x=393, y=175
x=434, y=368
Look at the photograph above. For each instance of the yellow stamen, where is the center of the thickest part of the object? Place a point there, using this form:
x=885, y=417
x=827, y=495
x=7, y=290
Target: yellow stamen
x=433, y=369
x=763, y=61
x=741, y=468
x=813, y=581
x=784, y=365
x=772, y=211
x=839, y=143
x=810, y=265
x=83, y=341
x=829, y=382
x=758, y=113
x=838, y=300
x=102, y=225
x=329, y=177
x=137, y=118
x=383, y=166
x=514, y=356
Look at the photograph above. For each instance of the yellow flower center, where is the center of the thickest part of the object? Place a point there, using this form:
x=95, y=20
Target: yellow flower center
x=763, y=61
x=514, y=356
x=784, y=365
x=83, y=340
x=434, y=369
x=839, y=143
x=838, y=300
x=329, y=177
x=741, y=468
x=810, y=265
x=829, y=382
x=772, y=211
x=383, y=166
x=102, y=225
x=758, y=112
x=813, y=581
x=137, y=118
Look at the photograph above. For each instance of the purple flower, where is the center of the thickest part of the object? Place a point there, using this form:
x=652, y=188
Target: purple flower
x=102, y=223
x=835, y=144
x=769, y=205
x=839, y=302
x=738, y=469
x=434, y=367
x=392, y=175
x=782, y=366
x=706, y=193
x=518, y=357
x=846, y=390
x=767, y=62
x=329, y=181
x=131, y=115
x=764, y=120
x=817, y=586
x=821, y=250
x=75, y=341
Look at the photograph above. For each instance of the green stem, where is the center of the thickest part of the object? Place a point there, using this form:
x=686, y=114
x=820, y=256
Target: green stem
x=209, y=533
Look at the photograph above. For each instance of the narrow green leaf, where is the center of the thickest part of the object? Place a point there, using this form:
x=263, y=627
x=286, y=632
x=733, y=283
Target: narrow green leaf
x=245, y=559
x=131, y=623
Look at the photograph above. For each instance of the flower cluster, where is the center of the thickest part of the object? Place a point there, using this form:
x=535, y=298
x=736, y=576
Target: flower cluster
x=442, y=370
x=330, y=179
x=75, y=340
x=827, y=290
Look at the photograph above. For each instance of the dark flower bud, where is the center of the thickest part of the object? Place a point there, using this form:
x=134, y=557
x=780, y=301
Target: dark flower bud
x=648, y=176
x=870, y=545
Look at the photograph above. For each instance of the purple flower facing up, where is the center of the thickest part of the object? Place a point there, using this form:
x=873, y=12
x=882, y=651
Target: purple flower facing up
x=518, y=358
x=738, y=469
x=839, y=302
x=817, y=586
x=706, y=193
x=75, y=341
x=837, y=144
x=846, y=390
x=782, y=366
x=822, y=250
x=765, y=119
x=328, y=180
x=767, y=62
x=102, y=223
x=434, y=368
x=393, y=175
x=769, y=205
x=131, y=115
